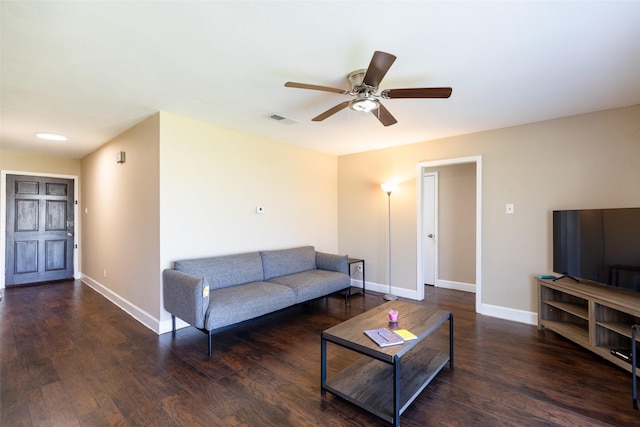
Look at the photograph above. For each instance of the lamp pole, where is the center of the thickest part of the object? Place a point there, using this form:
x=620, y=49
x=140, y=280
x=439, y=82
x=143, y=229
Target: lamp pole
x=388, y=188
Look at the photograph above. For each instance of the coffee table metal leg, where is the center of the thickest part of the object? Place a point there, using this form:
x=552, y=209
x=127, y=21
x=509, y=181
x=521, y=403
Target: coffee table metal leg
x=634, y=388
x=323, y=365
x=451, y=340
x=396, y=391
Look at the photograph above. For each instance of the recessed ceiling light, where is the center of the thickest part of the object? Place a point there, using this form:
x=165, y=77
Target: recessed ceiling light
x=51, y=136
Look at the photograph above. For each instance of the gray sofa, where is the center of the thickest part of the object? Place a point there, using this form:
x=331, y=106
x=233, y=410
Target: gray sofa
x=216, y=292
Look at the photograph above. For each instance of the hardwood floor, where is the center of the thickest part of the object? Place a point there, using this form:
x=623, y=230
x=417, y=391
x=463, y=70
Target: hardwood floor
x=69, y=357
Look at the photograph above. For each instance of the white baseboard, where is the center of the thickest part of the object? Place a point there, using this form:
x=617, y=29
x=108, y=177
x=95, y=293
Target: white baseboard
x=356, y=283
x=136, y=312
x=384, y=289
x=164, y=326
x=458, y=286
x=520, y=316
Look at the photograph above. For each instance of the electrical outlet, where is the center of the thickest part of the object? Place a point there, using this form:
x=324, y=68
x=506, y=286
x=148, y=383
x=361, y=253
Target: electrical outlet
x=359, y=268
x=259, y=209
x=104, y=274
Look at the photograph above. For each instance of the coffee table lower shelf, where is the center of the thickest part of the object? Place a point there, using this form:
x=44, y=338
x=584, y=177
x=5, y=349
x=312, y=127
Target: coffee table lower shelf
x=368, y=383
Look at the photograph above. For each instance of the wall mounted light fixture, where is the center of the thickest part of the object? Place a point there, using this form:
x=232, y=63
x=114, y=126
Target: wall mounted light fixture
x=121, y=157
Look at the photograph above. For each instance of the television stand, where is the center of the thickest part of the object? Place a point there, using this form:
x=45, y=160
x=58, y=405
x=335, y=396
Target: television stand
x=595, y=316
x=566, y=275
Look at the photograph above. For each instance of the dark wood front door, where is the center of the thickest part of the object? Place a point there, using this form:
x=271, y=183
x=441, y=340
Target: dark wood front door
x=39, y=229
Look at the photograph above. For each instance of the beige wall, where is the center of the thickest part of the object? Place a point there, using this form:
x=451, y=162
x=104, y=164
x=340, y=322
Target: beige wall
x=583, y=161
x=120, y=212
x=24, y=162
x=212, y=180
x=190, y=189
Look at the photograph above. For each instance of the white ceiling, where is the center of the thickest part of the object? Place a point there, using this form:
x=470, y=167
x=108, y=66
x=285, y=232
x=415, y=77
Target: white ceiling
x=92, y=69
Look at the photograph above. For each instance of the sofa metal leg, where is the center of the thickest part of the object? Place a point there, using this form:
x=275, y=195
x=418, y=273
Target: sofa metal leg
x=210, y=344
x=173, y=325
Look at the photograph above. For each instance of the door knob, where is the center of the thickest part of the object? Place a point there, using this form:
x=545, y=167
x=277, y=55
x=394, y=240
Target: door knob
x=430, y=236
x=70, y=234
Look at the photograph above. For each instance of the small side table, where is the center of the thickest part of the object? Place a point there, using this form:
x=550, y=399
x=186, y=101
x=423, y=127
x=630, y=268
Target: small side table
x=358, y=261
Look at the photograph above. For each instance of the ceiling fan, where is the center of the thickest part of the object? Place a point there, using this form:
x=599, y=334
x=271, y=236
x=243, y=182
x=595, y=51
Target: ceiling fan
x=364, y=85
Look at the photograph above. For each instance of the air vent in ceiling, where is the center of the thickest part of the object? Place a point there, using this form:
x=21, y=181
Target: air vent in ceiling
x=280, y=119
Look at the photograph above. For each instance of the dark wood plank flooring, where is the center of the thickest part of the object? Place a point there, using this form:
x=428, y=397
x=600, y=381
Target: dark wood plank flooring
x=69, y=357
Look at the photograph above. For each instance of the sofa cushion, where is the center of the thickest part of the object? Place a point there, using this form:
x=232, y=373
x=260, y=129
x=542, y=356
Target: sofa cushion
x=243, y=302
x=226, y=270
x=313, y=284
x=288, y=261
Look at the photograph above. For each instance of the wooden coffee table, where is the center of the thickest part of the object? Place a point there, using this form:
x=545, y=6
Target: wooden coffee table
x=387, y=389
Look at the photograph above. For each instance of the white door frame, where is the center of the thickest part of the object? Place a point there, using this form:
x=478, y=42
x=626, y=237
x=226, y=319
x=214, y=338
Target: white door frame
x=3, y=218
x=448, y=162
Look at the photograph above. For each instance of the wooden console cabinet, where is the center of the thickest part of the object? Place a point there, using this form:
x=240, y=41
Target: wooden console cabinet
x=597, y=317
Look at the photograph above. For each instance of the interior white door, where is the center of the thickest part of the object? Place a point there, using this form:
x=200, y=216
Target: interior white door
x=429, y=226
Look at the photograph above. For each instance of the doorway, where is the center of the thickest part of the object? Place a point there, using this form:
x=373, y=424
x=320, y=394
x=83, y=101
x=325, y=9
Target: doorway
x=39, y=229
x=423, y=242
x=429, y=221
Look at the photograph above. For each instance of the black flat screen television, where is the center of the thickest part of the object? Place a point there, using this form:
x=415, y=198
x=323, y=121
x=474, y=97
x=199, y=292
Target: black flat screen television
x=600, y=245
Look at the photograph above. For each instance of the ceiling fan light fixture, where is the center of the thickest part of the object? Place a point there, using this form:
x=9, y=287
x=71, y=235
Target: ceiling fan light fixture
x=363, y=85
x=365, y=104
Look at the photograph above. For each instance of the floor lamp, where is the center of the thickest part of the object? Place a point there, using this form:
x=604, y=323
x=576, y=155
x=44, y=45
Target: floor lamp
x=389, y=188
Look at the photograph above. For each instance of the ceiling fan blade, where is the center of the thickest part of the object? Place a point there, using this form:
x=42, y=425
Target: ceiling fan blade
x=331, y=111
x=384, y=116
x=316, y=87
x=380, y=64
x=418, y=92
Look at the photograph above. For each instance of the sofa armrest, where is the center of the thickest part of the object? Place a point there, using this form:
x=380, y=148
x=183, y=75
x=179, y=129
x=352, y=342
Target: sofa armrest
x=331, y=262
x=185, y=296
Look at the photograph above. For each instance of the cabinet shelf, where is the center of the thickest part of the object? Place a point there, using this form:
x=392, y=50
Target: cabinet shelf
x=575, y=333
x=617, y=327
x=577, y=310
